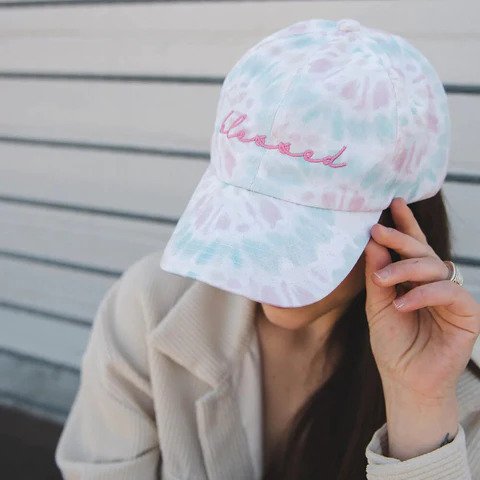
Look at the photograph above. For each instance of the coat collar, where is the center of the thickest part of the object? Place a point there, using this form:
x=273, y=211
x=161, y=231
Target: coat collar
x=206, y=331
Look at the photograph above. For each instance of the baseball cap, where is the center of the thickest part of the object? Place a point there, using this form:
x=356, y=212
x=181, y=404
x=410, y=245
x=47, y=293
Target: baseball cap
x=318, y=127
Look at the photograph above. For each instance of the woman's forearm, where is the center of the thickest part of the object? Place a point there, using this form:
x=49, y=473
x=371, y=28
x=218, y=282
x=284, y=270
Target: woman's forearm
x=416, y=425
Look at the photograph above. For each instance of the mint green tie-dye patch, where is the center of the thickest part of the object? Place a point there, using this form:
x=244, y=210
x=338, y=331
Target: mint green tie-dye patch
x=303, y=41
x=236, y=258
x=259, y=252
x=384, y=129
x=338, y=126
x=310, y=115
x=358, y=129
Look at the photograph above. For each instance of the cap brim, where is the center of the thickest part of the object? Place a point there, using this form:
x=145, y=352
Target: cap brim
x=269, y=250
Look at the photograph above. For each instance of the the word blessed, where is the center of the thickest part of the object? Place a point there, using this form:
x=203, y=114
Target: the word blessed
x=282, y=147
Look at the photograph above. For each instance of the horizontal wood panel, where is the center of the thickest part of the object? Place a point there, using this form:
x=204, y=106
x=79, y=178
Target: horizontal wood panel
x=38, y=388
x=52, y=289
x=464, y=112
x=152, y=115
x=91, y=240
x=54, y=341
x=462, y=206
x=158, y=115
x=148, y=184
x=206, y=38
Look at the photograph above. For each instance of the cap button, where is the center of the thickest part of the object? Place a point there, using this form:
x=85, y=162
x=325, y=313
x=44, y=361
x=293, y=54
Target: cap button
x=348, y=25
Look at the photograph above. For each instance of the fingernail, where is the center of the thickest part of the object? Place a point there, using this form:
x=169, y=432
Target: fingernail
x=385, y=228
x=382, y=274
x=399, y=302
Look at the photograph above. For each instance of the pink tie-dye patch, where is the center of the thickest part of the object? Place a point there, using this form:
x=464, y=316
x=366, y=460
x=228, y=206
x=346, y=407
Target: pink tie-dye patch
x=320, y=65
x=356, y=203
x=400, y=160
x=328, y=199
x=307, y=196
x=269, y=294
x=230, y=162
x=295, y=137
x=223, y=222
x=363, y=99
x=381, y=95
x=320, y=276
x=203, y=214
x=270, y=212
x=432, y=122
x=286, y=292
x=243, y=227
x=303, y=296
x=350, y=89
x=233, y=283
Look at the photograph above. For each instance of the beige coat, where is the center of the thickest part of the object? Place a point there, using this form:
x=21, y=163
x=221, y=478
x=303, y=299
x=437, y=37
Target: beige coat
x=170, y=388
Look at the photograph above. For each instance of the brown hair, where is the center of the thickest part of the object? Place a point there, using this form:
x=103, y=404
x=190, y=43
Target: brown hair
x=329, y=434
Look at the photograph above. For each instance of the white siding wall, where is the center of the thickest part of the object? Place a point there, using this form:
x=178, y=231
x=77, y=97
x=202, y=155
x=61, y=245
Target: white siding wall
x=98, y=154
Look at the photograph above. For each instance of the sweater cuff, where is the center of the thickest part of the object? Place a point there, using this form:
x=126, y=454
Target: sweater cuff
x=448, y=462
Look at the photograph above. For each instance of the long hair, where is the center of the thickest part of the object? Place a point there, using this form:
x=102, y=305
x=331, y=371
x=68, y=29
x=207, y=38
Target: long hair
x=328, y=436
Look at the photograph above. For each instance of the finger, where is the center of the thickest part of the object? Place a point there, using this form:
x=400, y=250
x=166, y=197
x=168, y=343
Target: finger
x=376, y=258
x=443, y=293
x=424, y=269
x=402, y=243
x=405, y=220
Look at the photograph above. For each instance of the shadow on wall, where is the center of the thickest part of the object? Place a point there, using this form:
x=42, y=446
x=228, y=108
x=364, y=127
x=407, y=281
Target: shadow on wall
x=27, y=446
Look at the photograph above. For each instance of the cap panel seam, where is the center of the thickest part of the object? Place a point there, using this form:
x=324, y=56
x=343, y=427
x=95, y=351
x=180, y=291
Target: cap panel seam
x=288, y=200
x=284, y=96
x=397, y=129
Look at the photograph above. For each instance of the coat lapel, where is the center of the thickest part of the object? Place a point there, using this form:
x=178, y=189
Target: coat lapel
x=226, y=451
x=207, y=331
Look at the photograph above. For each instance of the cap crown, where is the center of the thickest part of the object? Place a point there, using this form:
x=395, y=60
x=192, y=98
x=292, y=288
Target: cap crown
x=335, y=115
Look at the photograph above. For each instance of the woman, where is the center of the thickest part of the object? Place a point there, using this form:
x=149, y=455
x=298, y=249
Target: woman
x=306, y=321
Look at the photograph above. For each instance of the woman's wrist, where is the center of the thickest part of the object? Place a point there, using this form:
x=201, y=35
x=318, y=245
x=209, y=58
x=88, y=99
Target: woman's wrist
x=416, y=426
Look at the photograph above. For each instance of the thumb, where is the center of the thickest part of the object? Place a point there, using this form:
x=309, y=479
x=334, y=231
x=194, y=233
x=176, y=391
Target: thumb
x=378, y=297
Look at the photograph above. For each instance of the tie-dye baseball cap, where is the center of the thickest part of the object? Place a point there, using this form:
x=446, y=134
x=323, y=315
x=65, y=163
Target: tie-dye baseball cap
x=318, y=127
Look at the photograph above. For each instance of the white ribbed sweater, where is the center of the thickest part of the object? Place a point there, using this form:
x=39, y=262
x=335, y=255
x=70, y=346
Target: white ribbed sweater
x=170, y=388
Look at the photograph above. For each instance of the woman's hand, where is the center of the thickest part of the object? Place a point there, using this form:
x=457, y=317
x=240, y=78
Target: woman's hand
x=422, y=340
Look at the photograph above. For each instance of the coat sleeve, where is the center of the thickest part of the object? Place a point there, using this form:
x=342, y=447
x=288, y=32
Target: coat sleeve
x=449, y=462
x=110, y=431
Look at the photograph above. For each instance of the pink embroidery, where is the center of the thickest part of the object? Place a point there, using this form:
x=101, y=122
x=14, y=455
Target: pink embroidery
x=282, y=147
